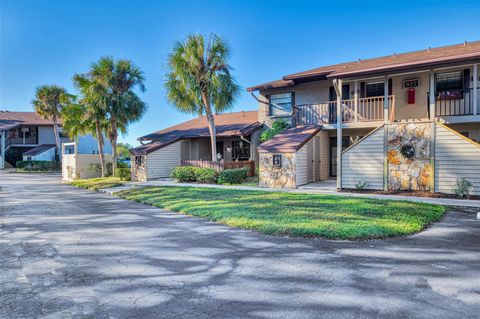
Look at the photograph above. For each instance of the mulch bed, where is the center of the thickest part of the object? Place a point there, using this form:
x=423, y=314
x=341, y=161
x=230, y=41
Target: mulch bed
x=408, y=193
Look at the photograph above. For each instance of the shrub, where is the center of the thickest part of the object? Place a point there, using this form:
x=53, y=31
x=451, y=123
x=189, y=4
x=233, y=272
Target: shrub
x=123, y=173
x=277, y=127
x=232, y=176
x=205, y=175
x=122, y=164
x=183, y=173
x=361, y=184
x=464, y=187
x=38, y=166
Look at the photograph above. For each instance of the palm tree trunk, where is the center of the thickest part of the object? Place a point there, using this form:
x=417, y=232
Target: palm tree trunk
x=113, y=140
x=57, y=137
x=211, y=127
x=100, y=147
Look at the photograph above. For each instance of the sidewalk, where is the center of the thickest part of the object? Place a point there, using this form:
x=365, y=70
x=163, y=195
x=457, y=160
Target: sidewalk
x=439, y=201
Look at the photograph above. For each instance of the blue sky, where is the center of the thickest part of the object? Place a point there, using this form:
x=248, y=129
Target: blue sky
x=46, y=42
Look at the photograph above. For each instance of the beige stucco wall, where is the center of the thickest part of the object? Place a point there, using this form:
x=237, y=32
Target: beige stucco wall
x=403, y=110
x=318, y=92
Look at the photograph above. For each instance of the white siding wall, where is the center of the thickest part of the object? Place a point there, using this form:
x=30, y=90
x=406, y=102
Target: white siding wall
x=160, y=163
x=455, y=157
x=364, y=160
x=303, y=160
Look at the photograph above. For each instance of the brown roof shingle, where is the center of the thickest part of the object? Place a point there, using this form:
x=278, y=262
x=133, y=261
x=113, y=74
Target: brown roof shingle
x=24, y=118
x=290, y=140
x=229, y=124
x=430, y=56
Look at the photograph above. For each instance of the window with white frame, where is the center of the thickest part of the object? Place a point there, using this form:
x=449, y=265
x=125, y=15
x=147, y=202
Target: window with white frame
x=281, y=104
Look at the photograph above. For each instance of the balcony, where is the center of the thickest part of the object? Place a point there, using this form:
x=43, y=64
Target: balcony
x=455, y=102
x=359, y=110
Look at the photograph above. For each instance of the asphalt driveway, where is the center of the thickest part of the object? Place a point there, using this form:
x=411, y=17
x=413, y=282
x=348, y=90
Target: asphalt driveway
x=67, y=252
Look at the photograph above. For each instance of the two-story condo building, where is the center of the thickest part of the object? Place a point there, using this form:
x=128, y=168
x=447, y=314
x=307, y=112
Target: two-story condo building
x=407, y=121
x=27, y=136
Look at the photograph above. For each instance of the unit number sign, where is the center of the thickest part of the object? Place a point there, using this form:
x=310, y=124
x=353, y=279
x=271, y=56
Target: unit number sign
x=411, y=83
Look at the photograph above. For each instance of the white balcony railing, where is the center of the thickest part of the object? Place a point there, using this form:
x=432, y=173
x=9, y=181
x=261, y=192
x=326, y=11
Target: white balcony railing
x=359, y=110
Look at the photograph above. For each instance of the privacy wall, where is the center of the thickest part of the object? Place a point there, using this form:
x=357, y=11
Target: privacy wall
x=412, y=156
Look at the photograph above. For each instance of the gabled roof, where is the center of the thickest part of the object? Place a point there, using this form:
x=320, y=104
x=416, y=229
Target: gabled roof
x=23, y=118
x=228, y=124
x=290, y=140
x=422, y=58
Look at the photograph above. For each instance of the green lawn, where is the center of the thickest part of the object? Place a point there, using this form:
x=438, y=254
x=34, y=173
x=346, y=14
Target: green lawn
x=97, y=183
x=293, y=214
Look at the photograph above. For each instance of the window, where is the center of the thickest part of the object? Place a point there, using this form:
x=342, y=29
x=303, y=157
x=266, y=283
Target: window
x=240, y=150
x=451, y=81
x=281, y=104
x=138, y=160
x=375, y=89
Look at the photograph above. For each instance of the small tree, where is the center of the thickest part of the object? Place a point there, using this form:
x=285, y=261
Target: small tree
x=48, y=103
x=88, y=114
x=199, y=80
x=120, y=80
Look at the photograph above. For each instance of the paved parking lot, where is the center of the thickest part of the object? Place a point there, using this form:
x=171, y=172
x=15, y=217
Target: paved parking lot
x=72, y=253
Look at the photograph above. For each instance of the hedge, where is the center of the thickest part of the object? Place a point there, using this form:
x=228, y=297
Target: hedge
x=38, y=166
x=194, y=174
x=123, y=173
x=232, y=176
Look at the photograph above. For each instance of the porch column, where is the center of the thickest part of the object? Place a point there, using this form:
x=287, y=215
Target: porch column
x=385, y=99
x=2, y=150
x=337, y=84
x=475, y=89
x=355, y=99
x=432, y=95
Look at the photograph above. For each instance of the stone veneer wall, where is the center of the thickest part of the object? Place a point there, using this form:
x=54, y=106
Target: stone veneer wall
x=138, y=173
x=277, y=177
x=404, y=173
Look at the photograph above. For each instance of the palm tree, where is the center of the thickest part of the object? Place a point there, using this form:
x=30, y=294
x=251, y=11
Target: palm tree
x=121, y=79
x=199, y=79
x=48, y=103
x=87, y=115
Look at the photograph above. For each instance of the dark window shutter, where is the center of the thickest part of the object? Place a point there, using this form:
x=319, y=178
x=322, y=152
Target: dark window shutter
x=332, y=95
x=466, y=79
x=390, y=86
x=363, y=89
x=346, y=92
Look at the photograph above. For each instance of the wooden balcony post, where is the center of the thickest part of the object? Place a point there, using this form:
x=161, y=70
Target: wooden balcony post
x=432, y=95
x=475, y=90
x=355, y=99
x=337, y=84
x=385, y=99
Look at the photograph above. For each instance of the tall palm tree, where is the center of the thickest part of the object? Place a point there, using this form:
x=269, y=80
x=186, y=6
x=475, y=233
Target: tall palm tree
x=199, y=79
x=88, y=114
x=48, y=103
x=121, y=79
